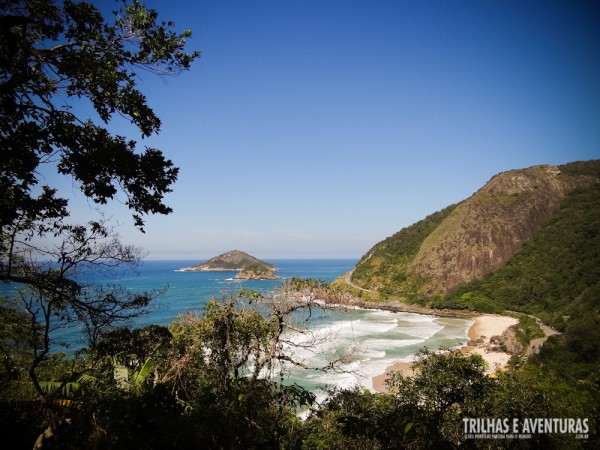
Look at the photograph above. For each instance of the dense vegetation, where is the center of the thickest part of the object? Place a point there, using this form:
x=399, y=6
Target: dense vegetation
x=556, y=278
x=56, y=55
x=217, y=379
x=385, y=267
x=454, y=246
x=427, y=410
x=198, y=384
x=555, y=275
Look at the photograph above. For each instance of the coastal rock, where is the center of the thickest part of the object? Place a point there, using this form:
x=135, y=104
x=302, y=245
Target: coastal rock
x=256, y=273
x=509, y=341
x=495, y=340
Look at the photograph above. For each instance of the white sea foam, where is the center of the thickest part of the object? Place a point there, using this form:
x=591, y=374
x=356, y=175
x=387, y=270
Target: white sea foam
x=358, y=329
x=377, y=340
x=377, y=354
x=421, y=330
x=386, y=344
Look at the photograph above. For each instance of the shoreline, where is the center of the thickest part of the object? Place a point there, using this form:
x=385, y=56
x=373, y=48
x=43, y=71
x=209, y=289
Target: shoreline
x=397, y=306
x=484, y=326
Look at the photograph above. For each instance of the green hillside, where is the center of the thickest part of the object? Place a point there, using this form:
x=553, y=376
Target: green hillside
x=476, y=237
x=385, y=267
x=554, y=275
x=557, y=272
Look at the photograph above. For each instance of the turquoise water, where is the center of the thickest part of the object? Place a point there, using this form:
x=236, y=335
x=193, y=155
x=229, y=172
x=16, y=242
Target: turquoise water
x=191, y=290
x=377, y=339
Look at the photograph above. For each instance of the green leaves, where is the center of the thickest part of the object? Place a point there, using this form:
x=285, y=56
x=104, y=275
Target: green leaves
x=52, y=53
x=141, y=376
x=386, y=266
x=66, y=389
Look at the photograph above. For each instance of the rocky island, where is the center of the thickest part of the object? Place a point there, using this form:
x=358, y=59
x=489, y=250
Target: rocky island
x=248, y=267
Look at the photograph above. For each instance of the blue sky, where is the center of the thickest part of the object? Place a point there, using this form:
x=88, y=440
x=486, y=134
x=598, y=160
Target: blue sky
x=315, y=129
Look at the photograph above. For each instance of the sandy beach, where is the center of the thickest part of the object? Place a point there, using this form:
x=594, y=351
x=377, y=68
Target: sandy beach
x=482, y=329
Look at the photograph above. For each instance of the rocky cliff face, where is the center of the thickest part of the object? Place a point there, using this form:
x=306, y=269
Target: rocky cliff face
x=484, y=231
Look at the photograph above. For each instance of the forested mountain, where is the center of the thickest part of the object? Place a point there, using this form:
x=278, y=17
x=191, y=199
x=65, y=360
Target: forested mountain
x=478, y=236
x=528, y=241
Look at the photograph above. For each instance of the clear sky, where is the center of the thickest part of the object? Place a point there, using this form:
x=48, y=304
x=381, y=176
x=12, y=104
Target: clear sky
x=315, y=129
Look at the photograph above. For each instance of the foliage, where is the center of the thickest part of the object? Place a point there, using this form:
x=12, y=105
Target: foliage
x=448, y=387
x=586, y=168
x=299, y=284
x=191, y=401
x=356, y=419
x=56, y=52
x=532, y=392
x=110, y=418
x=228, y=367
x=213, y=374
x=424, y=411
x=427, y=409
x=211, y=380
x=470, y=300
x=555, y=277
x=341, y=288
x=385, y=266
x=527, y=329
x=226, y=343
x=388, y=267
x=60, y=302
x=55, y=56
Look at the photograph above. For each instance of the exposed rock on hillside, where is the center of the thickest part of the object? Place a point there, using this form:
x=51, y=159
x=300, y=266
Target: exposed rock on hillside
x=473, y=238
x=487, y=229
x=510, y=342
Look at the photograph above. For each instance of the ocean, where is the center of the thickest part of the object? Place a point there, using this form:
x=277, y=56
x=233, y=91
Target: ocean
x=377, y=338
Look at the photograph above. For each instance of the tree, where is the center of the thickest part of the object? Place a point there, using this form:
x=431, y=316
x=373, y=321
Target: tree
x=356, y=419
x=247, y=337
x=447, y=386
x=421, y=411
x=53, y=53
x=229, y=363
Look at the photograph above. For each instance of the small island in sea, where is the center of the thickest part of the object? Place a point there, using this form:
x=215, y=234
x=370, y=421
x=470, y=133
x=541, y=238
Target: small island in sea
x=248, y=267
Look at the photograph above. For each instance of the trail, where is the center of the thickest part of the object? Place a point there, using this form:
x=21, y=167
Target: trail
x=347, y=278
x=536, y=344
